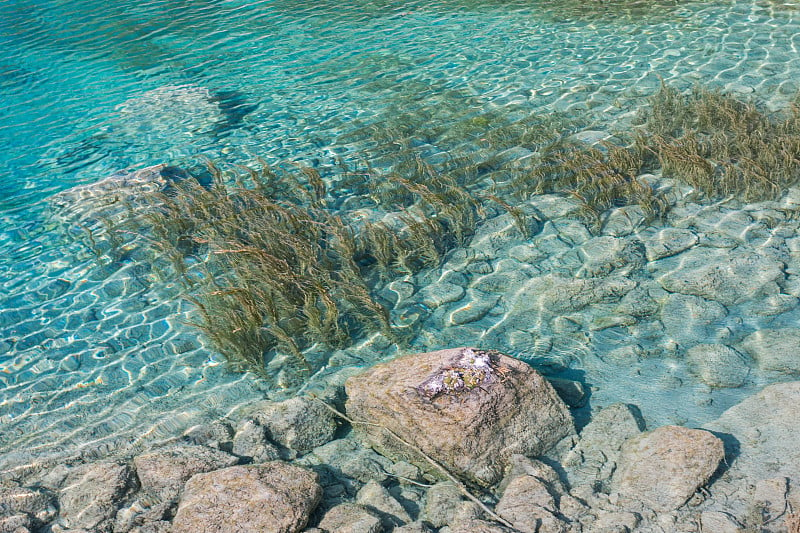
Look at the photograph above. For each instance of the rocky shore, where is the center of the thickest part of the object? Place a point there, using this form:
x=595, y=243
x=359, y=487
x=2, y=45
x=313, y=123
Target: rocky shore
x=455, y=441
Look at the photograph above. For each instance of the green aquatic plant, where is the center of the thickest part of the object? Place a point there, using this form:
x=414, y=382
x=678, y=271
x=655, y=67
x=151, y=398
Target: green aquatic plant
x=600, y=177
x=272, y=267
x=723, y=146
x=265, y=274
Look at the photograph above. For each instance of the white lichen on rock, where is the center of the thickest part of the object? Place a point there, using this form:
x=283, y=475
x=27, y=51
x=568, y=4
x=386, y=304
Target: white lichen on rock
x=470, y=369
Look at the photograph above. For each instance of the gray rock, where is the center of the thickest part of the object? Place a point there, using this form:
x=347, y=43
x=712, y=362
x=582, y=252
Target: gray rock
x=441, y=293
x=214, y=435
x=624, y=221
x=405, y=472
x=376, y=498
x=251, y=441
x=718, y=365
x=602, y=322
x=669, y=242
x=529, y=506
x=526, y=253
x=500, y=281
x=639, y=302
x=719, y=522
x=552, y=206
x=561, y=295
x=300, y=424
x=350, y=518
x=594, y=457
x=146, y=509
x=478, y=307
x=453, y=405
x=479, y=526
x=164, y=471
x=690, y=319
x=91, y=492
x=728, y=278
x=16, y=523
x=273, y=497
x=605, y=254
x=769, y=498
x=351, y=459
x=664, y=467
x=519, y=465
x=441, y=503
x=765, y=427
x=414, y=527
x=775, y=349
x=774, y=304
x=614, y=521
x=624, y=355
x=34, y=502
x=571, y=391
x=53, y=478
x=161, y=526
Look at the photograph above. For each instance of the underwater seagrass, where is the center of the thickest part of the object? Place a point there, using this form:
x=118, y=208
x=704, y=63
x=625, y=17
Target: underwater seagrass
x=278, y=260
x=600, y=177
x=272, y=268
x=722, y=146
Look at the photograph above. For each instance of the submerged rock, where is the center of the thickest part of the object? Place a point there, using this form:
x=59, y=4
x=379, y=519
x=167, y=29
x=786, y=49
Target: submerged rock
x=664, y=467
x=764, y=428
x=18, y=505
x=561, y=295
x=375, y=497
x=669, y=242
x=775, y=349
x=718, y=365
x=594, y=457
x=690, y=319
x=91, y=492
x=479, y=526
x=442, y=502
x=350, y=518
x=271, y=498
x=468, y=409
x=349, y=459
x=107, y=198
x=160, y=113
x=529, y=506
x=299, y=424
x=164, y=471
x=728, y=278
x=250, y=441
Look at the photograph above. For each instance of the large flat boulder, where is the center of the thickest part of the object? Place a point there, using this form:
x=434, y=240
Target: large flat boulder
x=468, y=409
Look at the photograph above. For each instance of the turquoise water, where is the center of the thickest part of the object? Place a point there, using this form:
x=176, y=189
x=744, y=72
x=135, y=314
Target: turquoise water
x=99, y=357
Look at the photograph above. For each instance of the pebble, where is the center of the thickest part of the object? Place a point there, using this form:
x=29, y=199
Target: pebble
x=473, y=311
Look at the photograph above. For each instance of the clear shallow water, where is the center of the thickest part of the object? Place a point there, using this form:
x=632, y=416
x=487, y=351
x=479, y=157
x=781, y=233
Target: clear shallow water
x=101, y=357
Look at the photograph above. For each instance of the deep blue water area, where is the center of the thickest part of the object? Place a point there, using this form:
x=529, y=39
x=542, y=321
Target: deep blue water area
x=96, y=356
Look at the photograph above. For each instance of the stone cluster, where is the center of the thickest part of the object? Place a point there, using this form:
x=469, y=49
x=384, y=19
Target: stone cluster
x=408, y=458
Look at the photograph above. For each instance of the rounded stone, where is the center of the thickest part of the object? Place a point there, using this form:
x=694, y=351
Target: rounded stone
x=718, y=365
x=271, y=498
